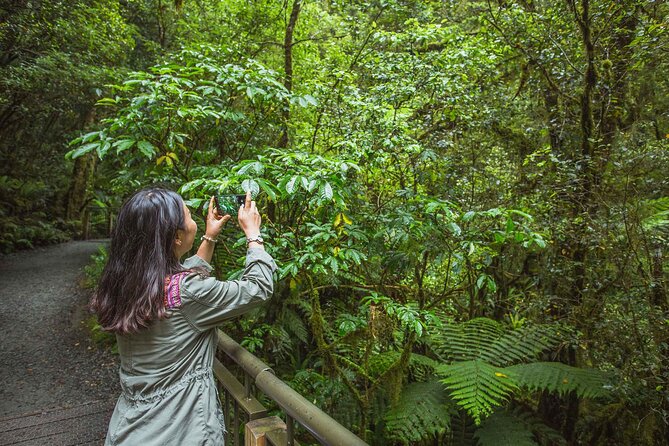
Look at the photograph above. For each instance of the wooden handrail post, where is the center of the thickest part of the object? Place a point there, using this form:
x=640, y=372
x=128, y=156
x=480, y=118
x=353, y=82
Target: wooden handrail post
x=325, y=429
x=256, y=431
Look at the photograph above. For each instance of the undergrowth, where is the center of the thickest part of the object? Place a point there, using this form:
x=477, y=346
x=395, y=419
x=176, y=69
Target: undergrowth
x=92, y=274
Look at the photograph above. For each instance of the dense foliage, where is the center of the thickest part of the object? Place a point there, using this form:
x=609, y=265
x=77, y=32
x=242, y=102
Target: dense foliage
x=466, y=199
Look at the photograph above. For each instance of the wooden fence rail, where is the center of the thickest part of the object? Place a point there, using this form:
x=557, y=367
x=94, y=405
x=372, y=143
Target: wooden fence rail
x=260, y=429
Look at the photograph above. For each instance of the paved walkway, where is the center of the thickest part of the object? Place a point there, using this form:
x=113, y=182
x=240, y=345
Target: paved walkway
x=85, y=424
x=56, y=386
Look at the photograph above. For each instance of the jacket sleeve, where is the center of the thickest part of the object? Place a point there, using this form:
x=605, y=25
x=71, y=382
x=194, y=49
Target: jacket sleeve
x=207, y=302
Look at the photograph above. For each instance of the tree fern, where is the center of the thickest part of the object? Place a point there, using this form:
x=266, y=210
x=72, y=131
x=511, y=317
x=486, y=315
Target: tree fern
x=655, y=214
x=466, y=341
x=485, y=339
x=524, y=344
x=560, y=378
x=477, y=351
x=421, y=413
x=477, y=386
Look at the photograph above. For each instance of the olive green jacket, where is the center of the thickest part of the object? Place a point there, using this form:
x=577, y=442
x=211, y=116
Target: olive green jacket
x=169, y=396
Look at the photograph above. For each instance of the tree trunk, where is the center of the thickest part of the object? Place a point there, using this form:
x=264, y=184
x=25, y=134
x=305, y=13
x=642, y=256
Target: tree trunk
x=82, y=173
x=582, y=205
x=288, y=67
x=592, y=159
x=162, y=34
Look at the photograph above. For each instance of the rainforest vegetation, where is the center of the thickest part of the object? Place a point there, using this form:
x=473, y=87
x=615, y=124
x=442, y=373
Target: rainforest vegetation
x=468, y=200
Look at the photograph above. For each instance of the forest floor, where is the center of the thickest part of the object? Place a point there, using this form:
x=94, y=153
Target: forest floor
x=48, y=360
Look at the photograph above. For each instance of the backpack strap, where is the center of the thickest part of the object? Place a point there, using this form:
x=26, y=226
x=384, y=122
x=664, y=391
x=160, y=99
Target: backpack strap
x=172, y=297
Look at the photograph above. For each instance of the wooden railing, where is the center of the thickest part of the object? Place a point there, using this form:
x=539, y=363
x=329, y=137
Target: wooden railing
x=240, y=405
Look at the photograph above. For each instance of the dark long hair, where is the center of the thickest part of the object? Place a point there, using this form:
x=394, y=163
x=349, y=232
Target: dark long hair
x=130, y=293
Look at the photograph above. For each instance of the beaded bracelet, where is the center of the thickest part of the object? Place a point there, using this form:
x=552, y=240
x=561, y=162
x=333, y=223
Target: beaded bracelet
x=209, y=239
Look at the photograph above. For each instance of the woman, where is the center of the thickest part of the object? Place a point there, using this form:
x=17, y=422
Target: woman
x=165, y=313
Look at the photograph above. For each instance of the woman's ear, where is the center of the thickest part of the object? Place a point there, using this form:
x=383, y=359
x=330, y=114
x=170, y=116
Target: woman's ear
x=177, y=248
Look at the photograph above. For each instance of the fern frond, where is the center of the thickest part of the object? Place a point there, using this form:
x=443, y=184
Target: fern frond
x=516, y=427
x=462, y=430
x=487, y=340
x=560, y=378
x=523, y=344
x=303, y=305
x=466, y=341
x=655, y=214
x=543, y=433
x=649, y=208
x=293, y=324
x=477, y=386
x=504, y=429
x=421, y=368
x=422, y=413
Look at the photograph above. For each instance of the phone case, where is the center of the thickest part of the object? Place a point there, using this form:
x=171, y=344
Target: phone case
x=229, y=204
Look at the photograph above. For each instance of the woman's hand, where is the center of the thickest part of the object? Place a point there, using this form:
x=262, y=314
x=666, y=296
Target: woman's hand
x=215, y=221
x=248, y=217
x=214, y=225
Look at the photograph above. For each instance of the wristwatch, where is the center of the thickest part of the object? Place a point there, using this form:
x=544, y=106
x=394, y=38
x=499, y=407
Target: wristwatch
x=258, y=239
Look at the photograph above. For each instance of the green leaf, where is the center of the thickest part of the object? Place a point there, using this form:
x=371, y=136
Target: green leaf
x=294, y=324
x=74, y=154
x=481, y=280
x=290, y=186
x=90, y=137
x=107, y=101
x=310, y=99
x=305, y=183
x=124, y=144
x=522, y=214
x=454, y=228
x=326, y=192
x=269, y=190
x=256, y=166
x=147, y=149
x=251, y=185
x=251, y=92
x=103, y=148
x=510, y=226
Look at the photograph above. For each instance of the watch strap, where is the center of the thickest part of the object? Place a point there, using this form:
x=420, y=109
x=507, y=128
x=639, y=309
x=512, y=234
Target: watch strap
x=257, y=239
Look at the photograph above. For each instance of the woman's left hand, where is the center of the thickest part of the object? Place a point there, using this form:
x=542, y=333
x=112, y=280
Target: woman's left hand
x=215, y=221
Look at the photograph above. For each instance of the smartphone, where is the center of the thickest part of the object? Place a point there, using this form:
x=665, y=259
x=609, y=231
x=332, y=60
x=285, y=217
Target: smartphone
x=229, y=204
